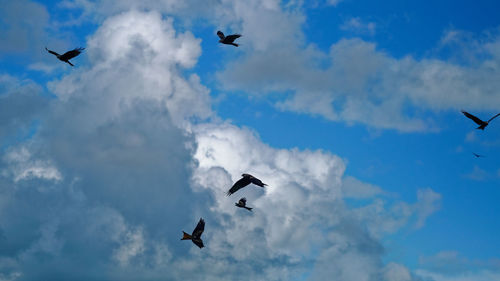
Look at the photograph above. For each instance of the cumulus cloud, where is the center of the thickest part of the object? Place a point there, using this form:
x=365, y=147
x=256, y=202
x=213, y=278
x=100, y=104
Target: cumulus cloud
x=358, y=83
x=104, y=182
x=128, y=155
x=301, y=215
x=144, y=57
x=366, y=85
x=21, y=104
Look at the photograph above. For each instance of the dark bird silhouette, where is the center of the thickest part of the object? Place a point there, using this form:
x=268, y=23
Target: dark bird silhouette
x=477, y=155
x=246, y=180
x=68, y=55
x=228, y=40
x=196, y=235
x=243, y=204
x=482, y=124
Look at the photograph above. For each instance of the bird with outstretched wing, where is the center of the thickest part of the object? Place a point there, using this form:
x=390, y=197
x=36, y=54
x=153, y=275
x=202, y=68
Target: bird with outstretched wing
x=68, y=55
x=482, y=124
x=195, y=237
x=228, y=40
x=244, y=181
x=242, y=204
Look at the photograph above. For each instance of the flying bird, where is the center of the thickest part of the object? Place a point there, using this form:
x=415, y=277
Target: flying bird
x=68, y=55
x=244, y=181
x=477, y=155
x=243, y=204
x=195, y=237
x=482, y=124
x=228, y=40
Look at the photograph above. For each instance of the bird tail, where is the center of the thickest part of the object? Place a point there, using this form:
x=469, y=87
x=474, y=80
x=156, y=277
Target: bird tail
x=234, y=44
x=185, y=236
x=69, y=63
x=481, y=127
x=248, y=208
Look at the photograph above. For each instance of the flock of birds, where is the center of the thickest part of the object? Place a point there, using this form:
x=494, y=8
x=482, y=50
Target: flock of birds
x=482, y=124
x=246, y=179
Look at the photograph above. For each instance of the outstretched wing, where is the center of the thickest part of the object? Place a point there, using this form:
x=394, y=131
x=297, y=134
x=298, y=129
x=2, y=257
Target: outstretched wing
x=52, y=52
x=198, y=242
x=231, y=38
x=220, y=34
x=473, y=118
x=493, y=117
x=258, y=182
x=238, y=185
x=71, y=54
x=199, y=229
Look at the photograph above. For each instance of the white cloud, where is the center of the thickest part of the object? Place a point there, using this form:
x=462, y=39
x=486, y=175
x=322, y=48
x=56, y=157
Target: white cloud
x=477, y=174
x=469, y=276
x=451, y=265
x=132, y=246
x=361, y=84
x=358, y=84
x=354, y=188
x=134, y=171
x=301, y=210
x=428, y=202
x=357, y=25
x=22, y=167
x=137, y=56
x=20, y=104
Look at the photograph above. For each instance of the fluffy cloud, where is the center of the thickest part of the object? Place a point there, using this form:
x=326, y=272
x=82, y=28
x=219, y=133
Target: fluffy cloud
x=104, y=182
x=21, y=104
x=366, y=85
x=300, y=218
x=358, y=83
x=127, y=156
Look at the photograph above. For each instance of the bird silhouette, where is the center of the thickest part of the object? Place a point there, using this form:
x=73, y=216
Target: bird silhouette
x=243, y=204
x=195, y=237
x=244, y=181
x=68, y=55
x=482, y=124
x=477, y=155
x=228, y=40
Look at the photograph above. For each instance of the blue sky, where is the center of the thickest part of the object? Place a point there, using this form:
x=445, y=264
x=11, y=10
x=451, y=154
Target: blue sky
x=349, y=110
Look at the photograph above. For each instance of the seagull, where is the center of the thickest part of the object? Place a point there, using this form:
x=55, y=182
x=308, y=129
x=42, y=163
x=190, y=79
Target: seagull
x=195, y=237
x=228, y=40
x=68, y=55
x=244, y=181
x=243, y=204
x=482, y=124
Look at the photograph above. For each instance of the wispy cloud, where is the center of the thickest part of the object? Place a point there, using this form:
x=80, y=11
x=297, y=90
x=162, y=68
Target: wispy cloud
x=358, y=26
